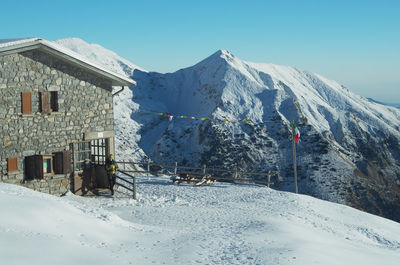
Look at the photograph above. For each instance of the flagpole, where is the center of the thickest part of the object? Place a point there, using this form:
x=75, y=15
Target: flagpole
x=294, y=159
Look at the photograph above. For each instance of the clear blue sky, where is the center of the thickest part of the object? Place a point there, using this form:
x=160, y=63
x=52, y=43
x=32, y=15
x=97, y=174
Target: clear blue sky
x=356, y=43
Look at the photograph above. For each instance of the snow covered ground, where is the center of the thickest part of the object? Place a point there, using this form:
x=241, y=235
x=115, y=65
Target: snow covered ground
x=172, y=224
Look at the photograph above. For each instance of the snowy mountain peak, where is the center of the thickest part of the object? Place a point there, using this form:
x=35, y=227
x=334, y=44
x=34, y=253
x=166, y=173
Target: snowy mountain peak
x=224, y=54
x=220, y=57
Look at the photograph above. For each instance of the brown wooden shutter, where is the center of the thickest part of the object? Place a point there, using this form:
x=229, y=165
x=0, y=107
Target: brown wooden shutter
x=26, y=102
x=45, y=102
x=30, y=164
x=62, y=162
x=12, y=164
x=58, y=163
x=66, y=162
x=39, y=166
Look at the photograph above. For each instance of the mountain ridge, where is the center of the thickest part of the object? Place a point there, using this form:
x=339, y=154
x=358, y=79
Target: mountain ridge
x=348, y=151
x=396, y=105
x=100, y=55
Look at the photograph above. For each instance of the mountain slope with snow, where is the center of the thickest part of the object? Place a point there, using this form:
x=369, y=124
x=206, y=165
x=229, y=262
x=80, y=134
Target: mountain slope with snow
x=99, y=55
x=172, y=224
x=349, y=150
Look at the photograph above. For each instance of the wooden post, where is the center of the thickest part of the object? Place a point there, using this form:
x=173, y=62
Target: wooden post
x=176, y=167
x=148, y=166
x=134, y=188
x=269, y=178
x=294, y=159
x=204, y=169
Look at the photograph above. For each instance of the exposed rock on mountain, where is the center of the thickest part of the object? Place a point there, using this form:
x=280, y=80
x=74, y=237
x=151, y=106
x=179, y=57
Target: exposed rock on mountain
x=349, y=149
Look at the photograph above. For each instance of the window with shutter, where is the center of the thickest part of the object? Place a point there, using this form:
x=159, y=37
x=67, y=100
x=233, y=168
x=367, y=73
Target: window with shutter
x=54, y=101
x=38, y=166
x=12, y=164
x=26, y=98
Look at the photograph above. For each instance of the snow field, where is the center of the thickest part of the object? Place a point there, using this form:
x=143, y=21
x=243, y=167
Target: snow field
x=173, y=224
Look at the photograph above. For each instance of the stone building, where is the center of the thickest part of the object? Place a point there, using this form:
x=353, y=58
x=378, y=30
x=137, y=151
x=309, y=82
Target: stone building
x=56, y=117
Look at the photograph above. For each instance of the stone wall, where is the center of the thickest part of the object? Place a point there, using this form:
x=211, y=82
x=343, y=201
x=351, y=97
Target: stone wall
x=56, y=185
x=84, y=105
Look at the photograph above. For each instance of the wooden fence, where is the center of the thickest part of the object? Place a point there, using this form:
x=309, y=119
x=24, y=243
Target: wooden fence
x=131, y=182
x=218, y=174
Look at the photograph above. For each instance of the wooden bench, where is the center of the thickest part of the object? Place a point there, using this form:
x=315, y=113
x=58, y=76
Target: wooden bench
x=194, y=178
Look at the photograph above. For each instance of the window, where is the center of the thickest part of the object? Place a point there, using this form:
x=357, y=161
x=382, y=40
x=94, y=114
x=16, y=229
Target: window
x=47, y=162
x=81, y=154
x=38, y=166
x=94, y=151
x=26, y=99
x=99, y=151
x=12, y=164
x=54, y=101
x=48, y=101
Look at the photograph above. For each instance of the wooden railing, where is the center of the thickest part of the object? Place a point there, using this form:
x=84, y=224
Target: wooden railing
x=174, y=170
x=132, y=183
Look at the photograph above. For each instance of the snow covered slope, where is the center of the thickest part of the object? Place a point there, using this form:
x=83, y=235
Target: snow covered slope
x=171, y=224
x=349, y=150
x=99, y=55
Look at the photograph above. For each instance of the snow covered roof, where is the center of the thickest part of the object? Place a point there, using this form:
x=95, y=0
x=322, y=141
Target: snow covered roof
x=10, y=46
